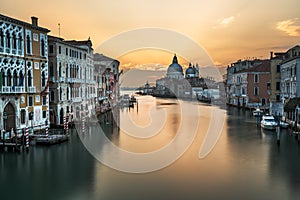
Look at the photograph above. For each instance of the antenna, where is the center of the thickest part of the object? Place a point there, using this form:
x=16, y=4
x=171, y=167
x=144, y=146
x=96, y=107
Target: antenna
x=59, y=29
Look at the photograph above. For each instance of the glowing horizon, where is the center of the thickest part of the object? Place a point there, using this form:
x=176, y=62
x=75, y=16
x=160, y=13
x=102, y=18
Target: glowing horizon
x=227, y=30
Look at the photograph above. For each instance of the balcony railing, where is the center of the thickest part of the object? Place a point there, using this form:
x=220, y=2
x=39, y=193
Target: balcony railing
x=12, y=89
x=19, y=89
x=77, y=99
x=61, y=79
x=6, y=89
x=32, y=89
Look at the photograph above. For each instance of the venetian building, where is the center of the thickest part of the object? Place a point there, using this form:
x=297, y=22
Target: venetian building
x=107, y=78
x=23, y=74
x=88, y=86
x=71, y=80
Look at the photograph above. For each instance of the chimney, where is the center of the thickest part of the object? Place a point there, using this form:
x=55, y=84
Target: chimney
x=34, y=21
x=271, y=54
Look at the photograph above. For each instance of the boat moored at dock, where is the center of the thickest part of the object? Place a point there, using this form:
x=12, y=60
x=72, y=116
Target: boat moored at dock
x=268, y=122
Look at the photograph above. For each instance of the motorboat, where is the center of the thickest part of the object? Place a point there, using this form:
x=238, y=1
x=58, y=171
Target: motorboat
x=283, y=124
x=257, y=112
x=268, y=122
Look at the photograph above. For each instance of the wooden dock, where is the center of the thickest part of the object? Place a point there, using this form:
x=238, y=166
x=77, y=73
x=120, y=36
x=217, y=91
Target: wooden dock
x=8, y=145
x=51, y=139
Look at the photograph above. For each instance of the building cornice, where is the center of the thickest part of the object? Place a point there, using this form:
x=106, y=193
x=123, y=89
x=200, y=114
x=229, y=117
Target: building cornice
x=22, y=23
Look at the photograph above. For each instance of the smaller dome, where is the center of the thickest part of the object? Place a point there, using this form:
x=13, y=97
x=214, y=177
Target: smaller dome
x=190, y=71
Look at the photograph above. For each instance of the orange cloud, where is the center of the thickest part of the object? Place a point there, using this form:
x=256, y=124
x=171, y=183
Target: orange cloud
x=289, y=27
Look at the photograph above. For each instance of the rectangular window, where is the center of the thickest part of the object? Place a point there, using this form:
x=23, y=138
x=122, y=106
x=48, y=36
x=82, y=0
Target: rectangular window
x=52, y=96
x=44, y=100
x=37, y=98
x=277, y=97
x=256, y=91
x=277, y=85
x=35, y=37
x=28, y=40
x=263, y=101
x=30, y=116
x=59, y=49
x=51, y=49
x=278, y=69
x=67, y=51
x=23, y=116
x=44, y=114
x=43, y=44
x=30, y=101
x=36, y=65
x=256, y=78
x=268, y=86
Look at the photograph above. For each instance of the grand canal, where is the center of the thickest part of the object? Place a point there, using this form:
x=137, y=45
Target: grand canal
x=246, y=162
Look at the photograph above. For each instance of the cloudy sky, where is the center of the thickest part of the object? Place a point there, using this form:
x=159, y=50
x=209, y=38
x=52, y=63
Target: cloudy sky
x=227, y=30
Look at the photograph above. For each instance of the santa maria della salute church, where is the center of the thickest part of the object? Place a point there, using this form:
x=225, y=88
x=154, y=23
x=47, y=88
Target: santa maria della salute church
x=176, y=84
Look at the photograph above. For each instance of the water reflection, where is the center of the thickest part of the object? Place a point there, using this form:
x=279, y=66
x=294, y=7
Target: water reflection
x=246, y=162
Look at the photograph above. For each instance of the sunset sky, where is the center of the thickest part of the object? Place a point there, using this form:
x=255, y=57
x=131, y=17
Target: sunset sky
x=227, y=29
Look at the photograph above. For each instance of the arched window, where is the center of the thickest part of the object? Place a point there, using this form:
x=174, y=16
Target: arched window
x=21, y=79
x=28, y=43
x=60, y=70
x=20, y=42
x=7, y=40
x=1, y=38
x=43, y=79
x=8, y=77
x=67, y=70
x=43, y=47
x=15, y=78
x=51, y=69
x=52, y=96
x=14, y=41
x=29, y=79
x=2, y=77
x=68, y=95
x=60, y=94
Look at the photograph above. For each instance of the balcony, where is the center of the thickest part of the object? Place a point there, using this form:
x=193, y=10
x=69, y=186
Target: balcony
x=19, y=89
x=6, y=89
x=77, y=99
x=93, y=95
x=20, y=52
x=68, y=80
x=32, y=89
x=61, y=79
x=12, y=89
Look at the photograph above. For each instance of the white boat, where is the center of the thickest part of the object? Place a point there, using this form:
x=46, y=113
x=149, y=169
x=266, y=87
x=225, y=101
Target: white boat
x=257, y=112
x=268, y=122
x=283, y=124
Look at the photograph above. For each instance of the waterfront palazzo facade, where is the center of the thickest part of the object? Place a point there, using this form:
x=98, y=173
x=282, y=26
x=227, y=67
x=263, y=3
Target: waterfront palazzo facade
x=23, y=74
x=72, y=83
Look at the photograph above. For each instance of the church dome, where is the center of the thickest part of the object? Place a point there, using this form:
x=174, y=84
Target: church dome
x=175, y=67
x=190, y=71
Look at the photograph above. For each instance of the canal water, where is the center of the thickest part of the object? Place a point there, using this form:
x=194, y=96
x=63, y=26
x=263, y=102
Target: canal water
x=245, y=163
